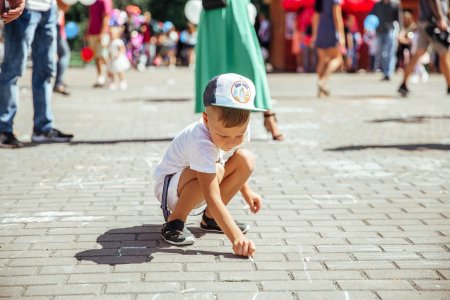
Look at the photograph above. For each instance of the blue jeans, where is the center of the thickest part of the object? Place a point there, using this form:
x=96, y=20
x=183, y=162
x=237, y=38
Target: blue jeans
x=37, y=30
x=63, y=51
x=387, y=45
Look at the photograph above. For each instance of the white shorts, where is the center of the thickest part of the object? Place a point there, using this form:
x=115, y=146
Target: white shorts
x=172, y=194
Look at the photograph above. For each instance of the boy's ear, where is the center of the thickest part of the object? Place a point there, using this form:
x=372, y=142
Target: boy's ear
x=205, y=119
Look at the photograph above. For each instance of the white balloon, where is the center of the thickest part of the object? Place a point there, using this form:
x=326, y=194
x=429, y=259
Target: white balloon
x=252, y=12
x=70, y=2
x=193, y=10
x=87, y=2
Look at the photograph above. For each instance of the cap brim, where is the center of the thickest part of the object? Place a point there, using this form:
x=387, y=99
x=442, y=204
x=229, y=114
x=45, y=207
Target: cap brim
x=241, y=108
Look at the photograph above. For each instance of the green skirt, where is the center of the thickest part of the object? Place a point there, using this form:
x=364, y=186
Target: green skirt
x=227, y=43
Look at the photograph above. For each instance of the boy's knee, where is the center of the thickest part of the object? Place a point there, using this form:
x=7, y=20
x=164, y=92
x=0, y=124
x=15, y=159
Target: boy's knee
x=247, y=160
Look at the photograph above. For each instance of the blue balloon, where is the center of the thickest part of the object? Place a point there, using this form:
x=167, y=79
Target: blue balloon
x=184, y=36
x=371, y=22
x=72, y=30
x=167, y=26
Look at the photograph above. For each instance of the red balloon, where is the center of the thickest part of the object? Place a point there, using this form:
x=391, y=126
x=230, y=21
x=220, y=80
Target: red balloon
x=294, y=5
x=87, y=54
x=355, y=6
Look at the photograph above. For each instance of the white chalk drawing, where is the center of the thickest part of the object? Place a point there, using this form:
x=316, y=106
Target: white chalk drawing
x=302, y=258
x=333, y=199
x=424, y=178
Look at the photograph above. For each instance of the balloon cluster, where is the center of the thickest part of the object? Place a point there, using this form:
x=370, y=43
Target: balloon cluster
x=84, y=2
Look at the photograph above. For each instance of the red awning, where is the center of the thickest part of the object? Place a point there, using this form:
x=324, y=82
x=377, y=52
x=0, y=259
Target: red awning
x=294, y=5
x=355, y=6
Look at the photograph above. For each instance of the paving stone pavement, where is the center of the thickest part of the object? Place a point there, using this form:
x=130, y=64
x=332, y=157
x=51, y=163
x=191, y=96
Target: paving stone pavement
x=356, y=202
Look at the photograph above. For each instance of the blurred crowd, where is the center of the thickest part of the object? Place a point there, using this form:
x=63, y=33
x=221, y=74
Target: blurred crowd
x=359, y=40
x=151, y=42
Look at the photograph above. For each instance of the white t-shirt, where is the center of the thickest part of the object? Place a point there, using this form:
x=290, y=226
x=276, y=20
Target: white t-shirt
x=192, y=148
x=39, y=5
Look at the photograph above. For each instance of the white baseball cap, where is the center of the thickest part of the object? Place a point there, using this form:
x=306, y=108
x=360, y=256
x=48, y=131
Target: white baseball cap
x=231, y=90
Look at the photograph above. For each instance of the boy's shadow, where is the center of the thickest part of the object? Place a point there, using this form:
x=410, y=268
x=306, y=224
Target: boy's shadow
x=135, y=245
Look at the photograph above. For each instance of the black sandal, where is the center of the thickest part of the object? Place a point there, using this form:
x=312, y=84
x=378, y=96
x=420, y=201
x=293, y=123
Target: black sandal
x=276, y=137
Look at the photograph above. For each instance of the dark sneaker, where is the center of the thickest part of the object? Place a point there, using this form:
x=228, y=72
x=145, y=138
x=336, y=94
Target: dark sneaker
x=386, y=78
x=403, y=90
x=209, y=224
x=9, y=140
x=448, y=91
x=175, y=233
x=53, y=136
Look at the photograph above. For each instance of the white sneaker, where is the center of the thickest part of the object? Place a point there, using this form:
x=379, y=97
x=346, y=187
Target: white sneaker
x=123, y=85
x=112, y=86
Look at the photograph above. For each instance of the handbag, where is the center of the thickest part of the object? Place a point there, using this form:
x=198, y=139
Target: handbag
x=438, y=35
x=213, y=4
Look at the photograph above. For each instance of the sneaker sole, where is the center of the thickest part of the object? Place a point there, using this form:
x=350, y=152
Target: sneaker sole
x=7, y=146
x=247, y=228
x=186, y=242
x=47, y=140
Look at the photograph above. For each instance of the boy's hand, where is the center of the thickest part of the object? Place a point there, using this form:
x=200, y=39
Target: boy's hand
x=254, y=201
x=244, y=247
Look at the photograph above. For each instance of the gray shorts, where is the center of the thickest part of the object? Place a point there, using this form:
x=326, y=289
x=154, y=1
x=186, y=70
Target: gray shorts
x=424, y=40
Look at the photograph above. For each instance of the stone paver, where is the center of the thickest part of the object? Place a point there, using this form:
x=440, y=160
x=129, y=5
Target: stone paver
x=356, y=200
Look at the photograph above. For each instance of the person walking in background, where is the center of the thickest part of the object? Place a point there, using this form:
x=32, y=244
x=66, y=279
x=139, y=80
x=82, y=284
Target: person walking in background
x=98, y=36
x=227, y=43
x=118, y=62
x=433, y=14
x=405, y=39
x=329, y=39
x=304, y=23
x=188, y=38
x=37, y=23
x=388, y=12
x=370, y=38
x=264, y=34
x=62, y=50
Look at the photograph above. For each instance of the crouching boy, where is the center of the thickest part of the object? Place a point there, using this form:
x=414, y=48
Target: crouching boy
x=205, y=166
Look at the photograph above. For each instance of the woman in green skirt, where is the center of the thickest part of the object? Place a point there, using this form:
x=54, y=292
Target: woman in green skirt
x=227, y=43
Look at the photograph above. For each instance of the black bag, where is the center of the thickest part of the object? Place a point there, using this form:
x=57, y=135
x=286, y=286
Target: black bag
x=213, y=4
x=437, y=35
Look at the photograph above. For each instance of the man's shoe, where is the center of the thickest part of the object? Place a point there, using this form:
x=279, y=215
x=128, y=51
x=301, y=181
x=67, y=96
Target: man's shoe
x=61, y=89
x=175, y=233
x=403, y=90
x=53, y=136
x=209, y=224
x=9, y=140
x=386, y=78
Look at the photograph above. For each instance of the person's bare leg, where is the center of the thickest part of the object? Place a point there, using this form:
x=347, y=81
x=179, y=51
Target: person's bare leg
x=321, y=63
x=190, y=193
x=237, y=171
x=412, y=64
x=270, y=123
x=444, y=65
x=333, y=64
x=231, y=178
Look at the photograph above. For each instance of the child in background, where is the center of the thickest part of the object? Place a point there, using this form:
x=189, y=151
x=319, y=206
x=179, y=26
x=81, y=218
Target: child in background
x=205, y=166
x=118, y=62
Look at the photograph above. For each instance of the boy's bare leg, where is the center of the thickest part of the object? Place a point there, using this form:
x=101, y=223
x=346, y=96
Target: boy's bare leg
x=231, y=178
x=237, y=171
x=190, y=193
